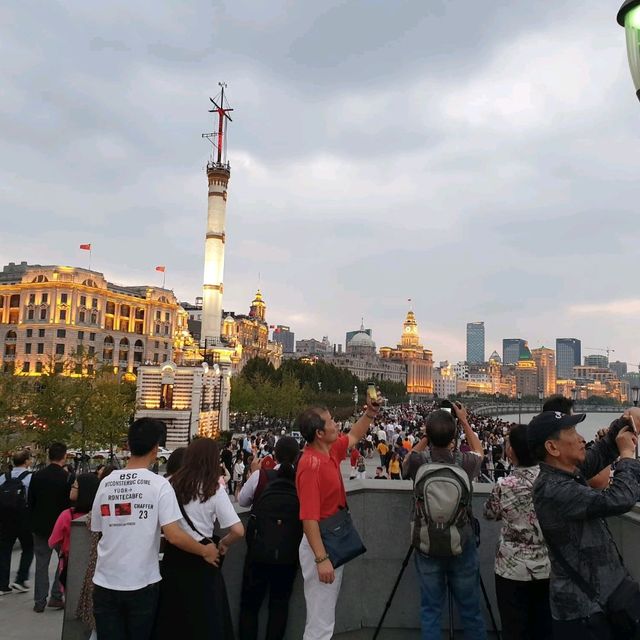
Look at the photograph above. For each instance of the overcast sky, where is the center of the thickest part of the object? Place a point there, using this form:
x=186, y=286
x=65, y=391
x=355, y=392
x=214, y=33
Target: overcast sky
x=481, y=158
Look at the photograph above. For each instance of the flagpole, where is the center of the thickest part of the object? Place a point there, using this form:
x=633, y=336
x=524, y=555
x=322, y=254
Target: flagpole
x=164, y=276
x=89, y=259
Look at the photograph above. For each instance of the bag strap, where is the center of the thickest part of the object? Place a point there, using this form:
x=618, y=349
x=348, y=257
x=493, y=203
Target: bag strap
x=189, y=522
x=23, y=475
x=7, y=476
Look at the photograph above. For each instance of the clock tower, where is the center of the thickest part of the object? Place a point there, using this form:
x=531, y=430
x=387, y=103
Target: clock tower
x=410, y=336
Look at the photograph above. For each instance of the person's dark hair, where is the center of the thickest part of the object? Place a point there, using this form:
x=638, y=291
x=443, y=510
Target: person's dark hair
x=286, y=453
x=518, y=442
x=88, y=484
x=175, y=461
x=57, y=451
x=106, y=470
x=559, y=403
x=440, y=428
x=144, y=434
x=21, y=457
x=310, y=421
x=197, y=478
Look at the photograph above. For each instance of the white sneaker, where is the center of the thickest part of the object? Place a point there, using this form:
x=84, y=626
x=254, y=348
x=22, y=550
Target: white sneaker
x=5, y=592
x=22, y=587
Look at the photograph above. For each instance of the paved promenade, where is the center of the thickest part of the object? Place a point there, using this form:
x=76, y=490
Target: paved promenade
x=18, y=621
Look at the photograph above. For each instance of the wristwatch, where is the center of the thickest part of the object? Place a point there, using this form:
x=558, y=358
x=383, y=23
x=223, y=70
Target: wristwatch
x=321, y=560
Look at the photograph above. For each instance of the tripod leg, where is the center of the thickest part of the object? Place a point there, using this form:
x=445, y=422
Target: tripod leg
x=489, y=609
x=450, y=599
x=387, y=606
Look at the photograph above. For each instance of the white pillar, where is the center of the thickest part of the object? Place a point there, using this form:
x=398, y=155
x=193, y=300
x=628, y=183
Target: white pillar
x=218, y=177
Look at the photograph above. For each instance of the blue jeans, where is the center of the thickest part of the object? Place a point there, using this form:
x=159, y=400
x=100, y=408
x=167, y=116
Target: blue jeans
x=462, y=573
x=125, y=615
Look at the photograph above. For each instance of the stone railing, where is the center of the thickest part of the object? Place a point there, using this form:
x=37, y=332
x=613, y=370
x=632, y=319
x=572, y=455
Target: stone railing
x=381, y=513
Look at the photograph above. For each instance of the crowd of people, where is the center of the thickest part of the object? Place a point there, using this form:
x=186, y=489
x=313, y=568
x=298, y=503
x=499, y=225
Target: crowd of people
x=154, y=568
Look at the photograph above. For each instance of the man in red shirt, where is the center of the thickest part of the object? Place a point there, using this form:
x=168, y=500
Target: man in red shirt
x=321, y=493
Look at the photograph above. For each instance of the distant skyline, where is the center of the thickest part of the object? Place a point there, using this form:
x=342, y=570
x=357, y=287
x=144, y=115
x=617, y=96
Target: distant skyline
x=478, y=158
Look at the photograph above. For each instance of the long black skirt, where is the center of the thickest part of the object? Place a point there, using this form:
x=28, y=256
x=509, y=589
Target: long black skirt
x=193, y=599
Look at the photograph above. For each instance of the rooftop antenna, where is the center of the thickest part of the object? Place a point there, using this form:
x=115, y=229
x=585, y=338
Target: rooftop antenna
x=219, y=139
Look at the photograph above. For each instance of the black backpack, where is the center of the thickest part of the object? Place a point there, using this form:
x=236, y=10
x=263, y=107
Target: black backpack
x=274, y=529
x=13, y=493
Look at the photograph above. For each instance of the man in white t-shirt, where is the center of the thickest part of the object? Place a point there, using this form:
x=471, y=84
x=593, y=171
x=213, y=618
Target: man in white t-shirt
x=131, y=507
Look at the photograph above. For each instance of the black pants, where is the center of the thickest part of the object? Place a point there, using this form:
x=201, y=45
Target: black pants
x=256, y=579
x=125, y=615
x=15, y=527
x=524, y=609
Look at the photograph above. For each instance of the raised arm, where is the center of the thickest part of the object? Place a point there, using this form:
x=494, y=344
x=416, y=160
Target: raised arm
x=360, y=428
x=472, y=439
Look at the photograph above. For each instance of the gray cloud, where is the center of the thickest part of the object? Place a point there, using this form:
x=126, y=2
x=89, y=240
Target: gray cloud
x=479, y=158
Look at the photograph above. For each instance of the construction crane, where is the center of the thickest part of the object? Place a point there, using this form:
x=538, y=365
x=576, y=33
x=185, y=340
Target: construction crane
x=607, y=350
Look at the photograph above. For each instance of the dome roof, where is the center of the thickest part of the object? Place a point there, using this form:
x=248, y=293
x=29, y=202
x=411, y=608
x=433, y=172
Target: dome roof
x=362, y=339
x=495, y=357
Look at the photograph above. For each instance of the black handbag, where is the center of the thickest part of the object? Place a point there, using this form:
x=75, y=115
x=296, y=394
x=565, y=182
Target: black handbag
x=341, y=539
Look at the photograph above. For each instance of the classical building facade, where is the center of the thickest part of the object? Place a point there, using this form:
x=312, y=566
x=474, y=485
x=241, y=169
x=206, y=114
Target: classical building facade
x=73, y=320
x=418, y=360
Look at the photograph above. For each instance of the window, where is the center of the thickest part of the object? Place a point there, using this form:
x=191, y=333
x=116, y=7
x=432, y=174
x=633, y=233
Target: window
x=166, y=396
x=63, y=314
x=45, y=298
x=166, y=345
x=61, y=333
x=94, y=318
x=92, y=350
x=41, y=333
x=27, y=347
x=32, y=298
x=111, y=307
x=80, y=335
x=43, y=313
x=64, y=297
x=60, y=349
x=81, y=316
x=40, y=279
x=58, y=367
x=157, y=328
x=89, y=369
x=94, y=303
x=92, y=337
x=157, y=315
x=79, y=350
x=156, y=344
x=164, y=357
x=90, y=283
x=108, y=323
x=83, y=301
x=139, y=314
x=30, y=314
x=25, y=367
x=40, y=347
x=78, y=369
x=29, y=333
x=38, y=367
x=124, y=324
x=167, y=316
x=125, y=310
x=166, y=331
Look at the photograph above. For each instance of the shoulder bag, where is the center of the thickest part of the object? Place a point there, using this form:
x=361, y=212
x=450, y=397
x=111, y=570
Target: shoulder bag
x=341, y=539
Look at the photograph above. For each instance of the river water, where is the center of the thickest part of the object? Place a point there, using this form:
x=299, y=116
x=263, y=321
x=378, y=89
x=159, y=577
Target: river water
x=588, y=428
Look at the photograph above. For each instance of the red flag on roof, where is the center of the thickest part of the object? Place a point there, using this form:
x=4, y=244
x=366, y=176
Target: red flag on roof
x=85, y=247
x=161, y=269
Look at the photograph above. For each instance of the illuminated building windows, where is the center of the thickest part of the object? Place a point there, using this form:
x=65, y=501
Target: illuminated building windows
x=43, y=313
x=63, y=314
x=64, y=298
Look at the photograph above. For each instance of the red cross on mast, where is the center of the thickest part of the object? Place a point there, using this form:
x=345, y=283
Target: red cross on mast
x=219, y=139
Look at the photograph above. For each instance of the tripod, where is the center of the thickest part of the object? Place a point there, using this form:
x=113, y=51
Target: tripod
x=387, y=606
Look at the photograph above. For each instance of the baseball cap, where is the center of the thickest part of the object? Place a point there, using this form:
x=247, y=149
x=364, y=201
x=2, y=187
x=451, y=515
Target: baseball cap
x=549, y=422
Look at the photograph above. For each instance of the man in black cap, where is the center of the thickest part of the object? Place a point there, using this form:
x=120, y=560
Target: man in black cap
x=586, y=568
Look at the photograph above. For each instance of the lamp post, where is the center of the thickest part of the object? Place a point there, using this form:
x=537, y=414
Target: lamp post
x=540, y=397
x=519, y=398
x=497, y=398
x=574, y=394
x=355, y=400
x=635, y=395
x=319, y=386
x=629, y=18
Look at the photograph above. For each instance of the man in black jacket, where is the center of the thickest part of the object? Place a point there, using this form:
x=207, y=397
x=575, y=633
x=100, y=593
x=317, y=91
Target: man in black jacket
x=585, y=566
x=48, y=498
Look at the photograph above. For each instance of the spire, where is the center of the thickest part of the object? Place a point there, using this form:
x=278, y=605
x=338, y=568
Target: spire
x=258, y=307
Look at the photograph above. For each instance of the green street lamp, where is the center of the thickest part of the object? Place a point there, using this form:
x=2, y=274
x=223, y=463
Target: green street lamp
x=629, y=18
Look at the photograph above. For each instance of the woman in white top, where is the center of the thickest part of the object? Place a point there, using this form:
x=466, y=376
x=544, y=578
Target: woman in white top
x=238, y=473
x=193, y=597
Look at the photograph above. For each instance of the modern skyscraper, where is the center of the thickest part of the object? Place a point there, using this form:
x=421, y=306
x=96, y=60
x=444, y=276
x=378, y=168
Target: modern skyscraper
x=568, y=355
x=513, y=349
x=619, y=368
x=285, y=337
x=475, y=342
x=545, y=360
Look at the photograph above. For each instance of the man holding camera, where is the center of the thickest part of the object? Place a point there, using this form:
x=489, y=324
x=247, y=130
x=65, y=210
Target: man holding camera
x=592, y=595
x=438, y=445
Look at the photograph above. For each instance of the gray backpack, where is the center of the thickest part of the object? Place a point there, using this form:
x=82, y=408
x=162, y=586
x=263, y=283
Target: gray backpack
x=442, y=508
